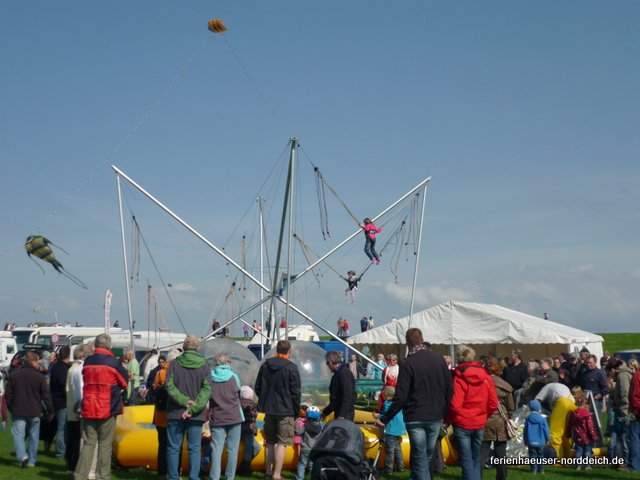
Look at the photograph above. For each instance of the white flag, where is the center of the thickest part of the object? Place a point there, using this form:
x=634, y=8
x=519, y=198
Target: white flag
x=107, y=311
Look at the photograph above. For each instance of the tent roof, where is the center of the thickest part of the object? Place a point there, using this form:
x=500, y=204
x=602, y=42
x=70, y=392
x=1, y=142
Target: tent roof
x=475, y=323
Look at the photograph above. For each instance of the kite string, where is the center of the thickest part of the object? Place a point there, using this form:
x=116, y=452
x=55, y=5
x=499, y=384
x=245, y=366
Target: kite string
x=246, y=73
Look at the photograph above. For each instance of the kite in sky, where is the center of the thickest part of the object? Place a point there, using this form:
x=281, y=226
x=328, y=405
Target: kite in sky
x=38, y=246
x=216, y=26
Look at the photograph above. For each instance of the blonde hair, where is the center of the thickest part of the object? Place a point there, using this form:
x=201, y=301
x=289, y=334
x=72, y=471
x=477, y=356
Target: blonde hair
x=579, y=397
x=465, y=354
x=388, y=392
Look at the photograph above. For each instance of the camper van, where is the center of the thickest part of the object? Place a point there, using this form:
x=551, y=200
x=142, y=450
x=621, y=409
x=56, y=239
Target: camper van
x=8, y=348
x=144, y=341
x=53, y=337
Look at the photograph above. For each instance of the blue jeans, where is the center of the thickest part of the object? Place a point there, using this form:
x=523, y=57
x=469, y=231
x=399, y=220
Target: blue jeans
x=469, y=443
x=536, y=454
x=583, y=451
x=251, y=446
x=61, y=433
x=225, y=436
x=303, y=460
x=393, y=452
x=618, y=444
x=422, y=440
x=370, y=248
x=633, y=441
x=21, y=428
x=175, y=434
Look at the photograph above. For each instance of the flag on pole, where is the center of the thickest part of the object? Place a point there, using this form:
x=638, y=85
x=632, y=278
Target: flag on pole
x=107, y=311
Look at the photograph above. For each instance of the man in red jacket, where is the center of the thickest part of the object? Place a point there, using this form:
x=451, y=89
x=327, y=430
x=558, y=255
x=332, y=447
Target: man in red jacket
x=474, y=400
x=104, y=379
x=26, y=391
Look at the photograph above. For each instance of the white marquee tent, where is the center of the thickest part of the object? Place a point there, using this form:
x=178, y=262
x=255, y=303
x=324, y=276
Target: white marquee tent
x=486, y=328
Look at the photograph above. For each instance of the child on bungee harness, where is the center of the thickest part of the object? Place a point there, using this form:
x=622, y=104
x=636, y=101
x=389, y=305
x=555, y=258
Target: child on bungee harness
x=370, y=231
x=352, y=285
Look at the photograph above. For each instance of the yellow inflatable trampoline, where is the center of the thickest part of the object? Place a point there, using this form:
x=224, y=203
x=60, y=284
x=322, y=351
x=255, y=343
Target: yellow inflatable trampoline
x=136, y=441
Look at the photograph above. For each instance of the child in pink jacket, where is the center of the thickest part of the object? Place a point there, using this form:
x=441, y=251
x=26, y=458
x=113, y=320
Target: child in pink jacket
x=370, y=231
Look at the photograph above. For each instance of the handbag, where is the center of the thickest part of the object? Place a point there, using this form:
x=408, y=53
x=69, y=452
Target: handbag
x=510, y=425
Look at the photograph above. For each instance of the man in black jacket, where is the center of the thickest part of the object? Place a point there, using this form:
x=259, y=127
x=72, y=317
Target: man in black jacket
x=516, y=372
x=58, y=387
x=27, y=390
x=279, y=394
x=342, y=389
x=423, y=393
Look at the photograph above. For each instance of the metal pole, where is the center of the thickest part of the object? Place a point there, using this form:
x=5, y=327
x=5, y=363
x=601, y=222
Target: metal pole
x=274, y=287
x=124, y=259
x=291, y=220
x=261, y=220
x=191, y=229
x=415, y=270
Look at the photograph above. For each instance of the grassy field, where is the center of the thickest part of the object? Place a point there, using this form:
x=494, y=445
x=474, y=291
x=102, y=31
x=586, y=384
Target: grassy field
x=614, y=342
x=48, y=467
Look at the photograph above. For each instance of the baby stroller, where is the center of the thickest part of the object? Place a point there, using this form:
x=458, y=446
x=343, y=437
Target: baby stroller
x=339, y=453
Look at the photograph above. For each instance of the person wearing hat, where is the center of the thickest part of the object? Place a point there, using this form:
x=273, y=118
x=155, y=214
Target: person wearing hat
x=536, y=435
x=249, y=429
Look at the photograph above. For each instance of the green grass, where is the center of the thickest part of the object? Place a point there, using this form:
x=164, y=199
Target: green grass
x=50, y=468
x=614, y=342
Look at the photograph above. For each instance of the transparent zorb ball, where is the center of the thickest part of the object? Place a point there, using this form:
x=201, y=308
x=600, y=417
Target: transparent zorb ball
x=242, y=361
x=315, y=376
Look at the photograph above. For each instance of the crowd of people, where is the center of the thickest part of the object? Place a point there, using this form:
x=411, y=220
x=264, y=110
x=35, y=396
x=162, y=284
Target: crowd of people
x=486, y=391
x=420, y=397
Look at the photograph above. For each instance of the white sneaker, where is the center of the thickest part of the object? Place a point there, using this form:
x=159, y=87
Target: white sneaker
x=92, y=476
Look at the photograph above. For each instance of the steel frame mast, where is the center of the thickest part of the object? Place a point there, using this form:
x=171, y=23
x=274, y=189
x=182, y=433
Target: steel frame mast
x=272, y=291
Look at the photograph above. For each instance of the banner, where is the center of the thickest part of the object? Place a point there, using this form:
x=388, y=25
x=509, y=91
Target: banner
x=107, y=311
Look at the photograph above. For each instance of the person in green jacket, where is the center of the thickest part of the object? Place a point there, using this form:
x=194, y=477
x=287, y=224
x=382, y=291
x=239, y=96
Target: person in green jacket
x=189, y=389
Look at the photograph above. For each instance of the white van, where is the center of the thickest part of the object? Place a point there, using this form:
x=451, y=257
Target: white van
x=8, y=348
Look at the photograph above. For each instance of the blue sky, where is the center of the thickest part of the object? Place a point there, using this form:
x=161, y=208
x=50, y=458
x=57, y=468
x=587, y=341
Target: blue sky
x=525, y=115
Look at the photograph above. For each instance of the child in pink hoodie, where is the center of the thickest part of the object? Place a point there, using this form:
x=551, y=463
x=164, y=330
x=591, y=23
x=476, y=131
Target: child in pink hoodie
x=370, y=231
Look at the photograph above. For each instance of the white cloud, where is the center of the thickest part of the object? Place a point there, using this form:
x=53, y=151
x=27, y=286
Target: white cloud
x=428, y=296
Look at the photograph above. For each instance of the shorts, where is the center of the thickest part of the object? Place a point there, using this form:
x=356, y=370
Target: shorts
x=278, y=429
